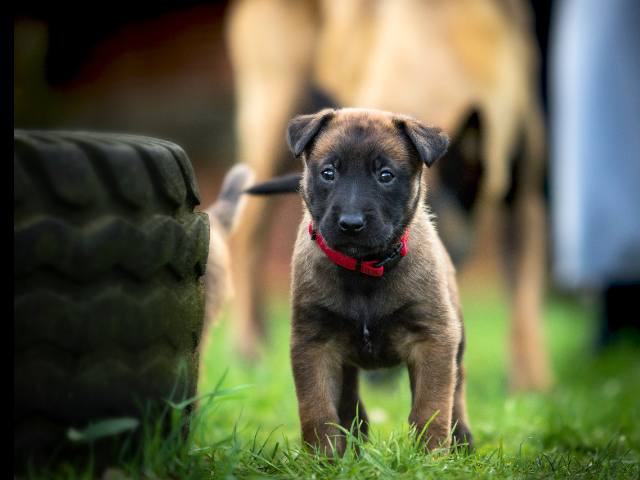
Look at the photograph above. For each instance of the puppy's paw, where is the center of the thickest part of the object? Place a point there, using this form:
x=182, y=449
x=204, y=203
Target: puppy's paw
x=433, y=435
x=462, y=438
x=324, y=437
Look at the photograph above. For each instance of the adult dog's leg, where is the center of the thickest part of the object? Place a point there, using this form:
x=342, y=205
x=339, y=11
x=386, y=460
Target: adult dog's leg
x=529, y=365
x=521, y=138
x=526, y=224
x=270, y=45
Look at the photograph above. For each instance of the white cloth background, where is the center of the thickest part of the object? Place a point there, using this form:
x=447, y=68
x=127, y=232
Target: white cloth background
x=595, y=141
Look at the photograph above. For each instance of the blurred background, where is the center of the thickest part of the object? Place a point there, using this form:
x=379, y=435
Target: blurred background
x=160, y=70
x=164, y=70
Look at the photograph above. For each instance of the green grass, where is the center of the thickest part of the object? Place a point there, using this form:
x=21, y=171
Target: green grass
x=588, y=426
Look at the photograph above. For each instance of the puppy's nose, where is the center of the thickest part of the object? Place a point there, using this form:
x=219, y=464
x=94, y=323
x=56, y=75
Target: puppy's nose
x=351, y=223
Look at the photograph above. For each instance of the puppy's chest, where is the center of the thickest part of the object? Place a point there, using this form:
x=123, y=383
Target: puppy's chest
x=368, y=332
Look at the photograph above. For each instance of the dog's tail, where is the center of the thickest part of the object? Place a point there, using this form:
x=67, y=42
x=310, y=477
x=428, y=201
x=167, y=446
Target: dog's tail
x=227, y=207
x=289, y=183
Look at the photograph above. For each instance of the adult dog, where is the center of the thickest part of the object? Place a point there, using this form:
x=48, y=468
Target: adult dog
x=468, y=66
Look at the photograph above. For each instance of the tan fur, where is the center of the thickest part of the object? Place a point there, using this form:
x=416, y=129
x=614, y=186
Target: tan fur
x=432, y=59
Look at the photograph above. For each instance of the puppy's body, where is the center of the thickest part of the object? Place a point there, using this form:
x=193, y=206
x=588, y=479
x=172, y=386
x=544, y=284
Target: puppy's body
x=344, y=320
x=414, y=298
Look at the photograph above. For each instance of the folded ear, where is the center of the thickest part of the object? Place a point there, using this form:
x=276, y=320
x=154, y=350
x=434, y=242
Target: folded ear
x=430, y=142
x=303, y=128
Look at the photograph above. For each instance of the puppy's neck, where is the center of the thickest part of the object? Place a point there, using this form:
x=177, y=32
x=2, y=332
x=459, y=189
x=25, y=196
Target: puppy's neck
x=420, y=232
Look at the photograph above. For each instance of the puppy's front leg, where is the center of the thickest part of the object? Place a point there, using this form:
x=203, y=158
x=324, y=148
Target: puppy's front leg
x=317, y=373
x=431, y=366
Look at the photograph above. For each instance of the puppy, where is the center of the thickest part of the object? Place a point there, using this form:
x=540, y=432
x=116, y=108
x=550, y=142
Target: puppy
x=372, y=284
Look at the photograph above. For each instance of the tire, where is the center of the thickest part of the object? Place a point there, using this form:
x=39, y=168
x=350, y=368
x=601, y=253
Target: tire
x=108, y=266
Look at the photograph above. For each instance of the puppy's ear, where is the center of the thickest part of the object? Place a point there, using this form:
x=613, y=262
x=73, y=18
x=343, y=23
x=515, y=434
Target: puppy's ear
x=303, y=128
x=430, y=142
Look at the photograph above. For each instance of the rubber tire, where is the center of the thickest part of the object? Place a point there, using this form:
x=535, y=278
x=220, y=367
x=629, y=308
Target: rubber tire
x=109, y=294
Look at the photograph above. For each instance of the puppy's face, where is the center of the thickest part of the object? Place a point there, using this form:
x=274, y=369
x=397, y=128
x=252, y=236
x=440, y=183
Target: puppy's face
x=362, y=174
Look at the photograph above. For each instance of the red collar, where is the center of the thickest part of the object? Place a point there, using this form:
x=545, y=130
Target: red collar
x=373, y=268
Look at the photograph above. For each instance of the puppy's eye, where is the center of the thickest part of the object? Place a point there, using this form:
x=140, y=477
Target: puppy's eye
x=385, y=176
x=328, y=174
